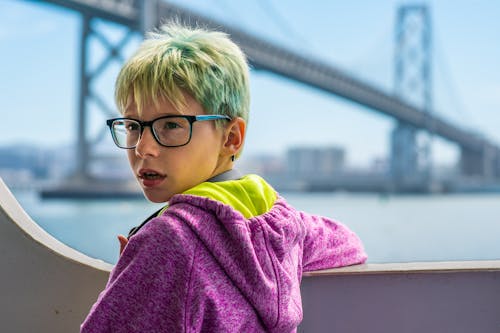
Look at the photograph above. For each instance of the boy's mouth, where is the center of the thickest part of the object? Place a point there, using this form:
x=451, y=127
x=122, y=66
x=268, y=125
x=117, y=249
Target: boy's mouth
x=150, y=176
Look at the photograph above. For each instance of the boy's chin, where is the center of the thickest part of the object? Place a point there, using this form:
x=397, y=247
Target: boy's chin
x=155, y=197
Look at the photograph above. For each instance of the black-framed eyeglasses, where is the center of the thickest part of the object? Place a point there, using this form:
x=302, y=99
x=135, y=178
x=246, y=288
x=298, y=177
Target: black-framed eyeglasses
x=168, y=131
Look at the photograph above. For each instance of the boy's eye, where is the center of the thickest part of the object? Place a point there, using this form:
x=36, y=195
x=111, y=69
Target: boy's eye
x=171, y=125
x=132, y=126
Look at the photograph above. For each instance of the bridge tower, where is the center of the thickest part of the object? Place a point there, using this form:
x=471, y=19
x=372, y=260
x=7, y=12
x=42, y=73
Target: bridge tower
x=94, y=41
x=410, y=160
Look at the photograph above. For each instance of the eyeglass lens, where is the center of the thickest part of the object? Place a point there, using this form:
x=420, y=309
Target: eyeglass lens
x=172, y=131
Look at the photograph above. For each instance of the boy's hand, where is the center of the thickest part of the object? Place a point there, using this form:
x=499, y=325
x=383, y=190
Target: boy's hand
x=123, y=242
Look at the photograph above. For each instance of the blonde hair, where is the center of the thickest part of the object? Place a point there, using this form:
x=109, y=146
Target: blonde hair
x=177, y=59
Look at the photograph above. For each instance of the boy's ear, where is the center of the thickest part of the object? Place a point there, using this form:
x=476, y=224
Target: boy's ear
x=234, y=136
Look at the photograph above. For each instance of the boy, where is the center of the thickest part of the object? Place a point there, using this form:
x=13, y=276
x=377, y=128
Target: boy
x=227, y=253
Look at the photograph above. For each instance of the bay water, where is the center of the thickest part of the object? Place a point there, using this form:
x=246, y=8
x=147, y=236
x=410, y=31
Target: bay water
x=393, y=228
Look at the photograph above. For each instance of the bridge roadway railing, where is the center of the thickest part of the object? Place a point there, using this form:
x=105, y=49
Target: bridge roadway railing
x=47, y=286
x=264, y=55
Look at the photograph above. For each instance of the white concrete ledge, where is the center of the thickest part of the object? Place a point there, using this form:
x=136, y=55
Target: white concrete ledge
x=45, y=286
x=458, y=297
x=412, y=267
x=11, y=209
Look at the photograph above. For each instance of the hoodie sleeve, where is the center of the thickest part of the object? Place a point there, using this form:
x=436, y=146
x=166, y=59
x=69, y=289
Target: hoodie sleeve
x=147, y=289
x=329, y=244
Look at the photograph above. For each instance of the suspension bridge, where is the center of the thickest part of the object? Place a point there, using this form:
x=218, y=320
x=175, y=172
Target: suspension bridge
x=479, y=157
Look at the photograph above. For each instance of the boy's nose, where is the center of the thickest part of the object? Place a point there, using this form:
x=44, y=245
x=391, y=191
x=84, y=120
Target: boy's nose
x=147, y=145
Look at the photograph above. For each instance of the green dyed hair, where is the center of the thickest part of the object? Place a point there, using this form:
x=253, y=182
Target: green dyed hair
x=177, y=59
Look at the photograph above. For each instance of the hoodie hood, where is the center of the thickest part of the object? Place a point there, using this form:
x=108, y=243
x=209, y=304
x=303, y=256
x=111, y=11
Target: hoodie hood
x=250, y=195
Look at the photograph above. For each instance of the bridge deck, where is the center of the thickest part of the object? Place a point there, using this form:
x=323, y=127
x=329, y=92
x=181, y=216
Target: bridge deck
x=264, y=55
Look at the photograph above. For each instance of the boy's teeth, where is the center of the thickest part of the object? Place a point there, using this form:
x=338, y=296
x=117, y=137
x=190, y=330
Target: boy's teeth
x=150, y=175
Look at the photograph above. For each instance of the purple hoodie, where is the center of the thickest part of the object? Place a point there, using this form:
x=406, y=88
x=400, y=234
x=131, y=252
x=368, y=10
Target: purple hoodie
x=203, y=267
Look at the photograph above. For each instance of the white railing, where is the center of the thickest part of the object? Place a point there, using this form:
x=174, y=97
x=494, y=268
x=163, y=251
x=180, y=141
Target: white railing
x=45, y=286
x=433, y=297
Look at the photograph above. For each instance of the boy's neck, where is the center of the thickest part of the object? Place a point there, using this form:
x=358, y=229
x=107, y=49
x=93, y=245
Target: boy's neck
x=231, y=174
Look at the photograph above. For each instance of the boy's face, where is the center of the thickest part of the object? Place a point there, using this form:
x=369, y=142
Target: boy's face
x=165, y=171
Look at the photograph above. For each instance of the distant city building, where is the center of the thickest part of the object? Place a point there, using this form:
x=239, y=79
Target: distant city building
x=26, y=165
x=306, y=162
x=262, y=164
x=24, y=158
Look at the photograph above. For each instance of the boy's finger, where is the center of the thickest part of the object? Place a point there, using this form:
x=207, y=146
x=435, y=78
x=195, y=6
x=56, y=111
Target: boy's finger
x=123, y=242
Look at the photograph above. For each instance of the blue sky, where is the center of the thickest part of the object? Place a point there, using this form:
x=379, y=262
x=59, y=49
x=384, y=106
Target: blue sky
x=39, y=58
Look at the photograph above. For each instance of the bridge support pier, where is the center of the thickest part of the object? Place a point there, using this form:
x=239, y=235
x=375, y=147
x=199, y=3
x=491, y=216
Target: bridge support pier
x=411, y=165
x=404, y=156
x=87, y=93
